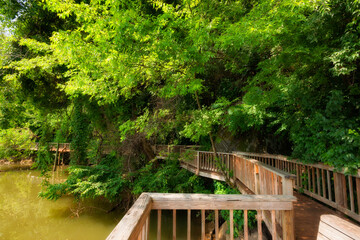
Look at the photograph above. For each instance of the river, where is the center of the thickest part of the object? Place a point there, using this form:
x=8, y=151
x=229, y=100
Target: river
x=25, y=216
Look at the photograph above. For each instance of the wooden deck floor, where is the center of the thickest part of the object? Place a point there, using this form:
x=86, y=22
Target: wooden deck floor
x=307, y=211
x=307, y=216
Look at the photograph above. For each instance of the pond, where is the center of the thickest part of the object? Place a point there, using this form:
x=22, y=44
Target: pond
x=24, y=216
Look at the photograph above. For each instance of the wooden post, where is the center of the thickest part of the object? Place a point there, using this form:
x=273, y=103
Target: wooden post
x=197, y=163
x=323, y=183
x=287, y=187
x=231, y=224
x=246, y=225
x=217, y=224
x=257, y=179
x=288, y=225
x=329, y=185
x=259, y=223
x=202, y=224
x=338, y=185
x=188, y=224
x=159, y=225
x=56, y=154
x=351, y=191
x=273, y=223
x=358, y=193
x=174, y=224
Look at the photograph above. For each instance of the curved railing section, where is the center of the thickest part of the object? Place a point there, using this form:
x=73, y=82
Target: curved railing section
x=334, y=188
x=135, y=224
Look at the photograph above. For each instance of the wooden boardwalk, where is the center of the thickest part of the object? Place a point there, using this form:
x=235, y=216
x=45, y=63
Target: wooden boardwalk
x=307, y=216
x=320, y=184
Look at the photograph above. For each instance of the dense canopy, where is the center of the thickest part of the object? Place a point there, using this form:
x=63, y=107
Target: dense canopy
x=128, y=74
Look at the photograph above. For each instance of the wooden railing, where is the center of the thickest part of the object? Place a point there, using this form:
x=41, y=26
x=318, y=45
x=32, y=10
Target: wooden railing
x=62, y=146
x=334, y=188
x=136, y=222
x=250, y=176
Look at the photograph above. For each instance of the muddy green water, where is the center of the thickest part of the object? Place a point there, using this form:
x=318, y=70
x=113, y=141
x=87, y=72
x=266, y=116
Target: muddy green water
x=25, y=216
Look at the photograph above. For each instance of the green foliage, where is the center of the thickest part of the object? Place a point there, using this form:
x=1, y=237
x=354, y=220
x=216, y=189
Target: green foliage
x=177, y=71
x=80, y=132
x=167, y=177
x=223, y=188
x=102, y=180
x=16, y=143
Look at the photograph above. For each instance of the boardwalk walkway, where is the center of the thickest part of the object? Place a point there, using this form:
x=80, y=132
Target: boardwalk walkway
x=307, y=216
x=320, y=182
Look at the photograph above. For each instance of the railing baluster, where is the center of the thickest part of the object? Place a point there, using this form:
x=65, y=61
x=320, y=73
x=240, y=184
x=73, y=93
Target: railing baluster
x=174, y=224
x=246, y=225
x=259, y=223
x=188, y=224
x=202, y=224
x=143, y=232
x=351, y=191
x=309, y=178
x=323, y=183
x=318, y=181
x=147, y=228
x=313, y=179
x=216, y=224
x=231, y=224
x=329, y=184
x=273, y=221
x=358, y=193
x=343, y=178
x=159, y=226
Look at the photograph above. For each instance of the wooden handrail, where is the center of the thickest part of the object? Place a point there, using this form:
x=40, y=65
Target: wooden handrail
x=249, y=175
x=135, y=223
x=324, y=183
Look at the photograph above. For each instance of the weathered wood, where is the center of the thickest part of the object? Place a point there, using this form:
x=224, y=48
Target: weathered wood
x=56, y=155
x=273, y=222
x=334, y=228
x=313, y=179
x=174, y=224
x=288, y=225
x=225, y=202
x=147, y=227
x=344, y=189
x=259, y=223
x=323, y=183
x=358, y=193
x=351, y=191
x=338, y=185
x=318, y=181
x=246, y=225
x=133, y=221
x=334, y=205
x=217, y=224
x=329, y=185
x=309, y=179
x=202, y=224
x=159, y=225
x=231, y=224
x=188, y=224
x=197, y=163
